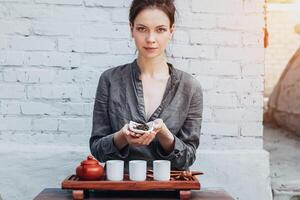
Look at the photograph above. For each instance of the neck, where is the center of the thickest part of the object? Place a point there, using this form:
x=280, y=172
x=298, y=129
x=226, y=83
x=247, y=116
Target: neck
x=153, y=67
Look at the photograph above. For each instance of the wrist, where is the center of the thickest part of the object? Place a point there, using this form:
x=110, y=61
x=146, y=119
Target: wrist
x=163, y=131
x=120, y=139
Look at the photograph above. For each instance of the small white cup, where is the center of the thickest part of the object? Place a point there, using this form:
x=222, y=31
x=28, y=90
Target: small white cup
x=115, y=170
x=161, y=170
x=137, y=170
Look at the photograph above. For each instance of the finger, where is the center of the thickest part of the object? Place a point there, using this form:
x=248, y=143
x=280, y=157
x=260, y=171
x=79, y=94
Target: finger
x=147, y=139
x=138, y=135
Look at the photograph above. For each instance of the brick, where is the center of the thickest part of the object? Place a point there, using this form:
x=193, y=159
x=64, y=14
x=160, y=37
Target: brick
x=63, y=60
x=231, y=143
x=71, y=124
x=4, y=12
x=252, y=129
x=216, y=6
x=240, y=85
x=89, y=92
x=181, y=36
x=45, y=124
x=37, y=108
x=12, y=91
x=2, y=58
x=67, y=92
x=120, y=15
x=75, y=109
x=3, y=43
x=97, y=14
x=207, y=113
x=12, y=58
x=40, y=76
x=55, y=28
x=225, y=38
x=240, y=54
x=219, y=128
x=33, y=43
x=83, y=45
x=215, y=68
x=64, y=76
x=29, y=75
x=14, y=75
x=31, y=11
x=197, y=20
x=15, y=123
x=20, y=27
x=19, y=1
x=122, y=47
x=103, y=3
x=251, y=23
x=194, y=51
x=105, y=31
x=252, y=100
x=253, y=6
x=86, y=76
x=184, y=5
x=253, y=39
x=221, y=100
x=60, y=2
x=207, y=83
x=238, y=114
x=105, y=61
x=10, y=108
x=127, y=3
x=179, y=63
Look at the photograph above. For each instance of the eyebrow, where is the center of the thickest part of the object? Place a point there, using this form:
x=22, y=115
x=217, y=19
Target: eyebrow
x=156, y=27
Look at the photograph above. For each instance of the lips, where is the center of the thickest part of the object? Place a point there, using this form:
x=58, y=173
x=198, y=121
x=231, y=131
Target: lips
x=150, y=49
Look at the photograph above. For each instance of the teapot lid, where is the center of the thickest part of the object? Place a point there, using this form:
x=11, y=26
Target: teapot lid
x=90, y=161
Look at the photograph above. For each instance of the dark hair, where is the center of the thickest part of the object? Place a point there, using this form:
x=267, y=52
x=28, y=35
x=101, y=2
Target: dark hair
x=167, y=6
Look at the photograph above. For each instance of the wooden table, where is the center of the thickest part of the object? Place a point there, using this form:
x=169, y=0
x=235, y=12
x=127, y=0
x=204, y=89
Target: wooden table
x=59, y=194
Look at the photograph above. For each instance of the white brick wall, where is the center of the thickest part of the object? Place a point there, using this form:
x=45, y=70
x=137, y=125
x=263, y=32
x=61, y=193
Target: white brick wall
x=52, y=53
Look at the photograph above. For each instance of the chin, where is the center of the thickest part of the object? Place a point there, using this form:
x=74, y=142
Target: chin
x=150, y=55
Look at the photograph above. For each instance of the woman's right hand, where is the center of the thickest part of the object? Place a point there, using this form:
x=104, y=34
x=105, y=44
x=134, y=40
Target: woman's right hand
x=135, y=139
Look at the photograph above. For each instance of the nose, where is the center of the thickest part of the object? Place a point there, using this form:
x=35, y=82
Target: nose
x=151, y=38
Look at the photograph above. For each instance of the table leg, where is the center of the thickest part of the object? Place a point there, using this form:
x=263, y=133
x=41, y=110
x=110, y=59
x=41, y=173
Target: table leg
x=185, y=194
x=78, y=194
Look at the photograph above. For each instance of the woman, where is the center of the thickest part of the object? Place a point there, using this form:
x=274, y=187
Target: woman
x=148, y=89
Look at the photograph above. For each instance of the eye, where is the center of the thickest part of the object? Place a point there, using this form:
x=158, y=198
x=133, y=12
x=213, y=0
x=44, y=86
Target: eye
x=161, y=30
x=141, y=29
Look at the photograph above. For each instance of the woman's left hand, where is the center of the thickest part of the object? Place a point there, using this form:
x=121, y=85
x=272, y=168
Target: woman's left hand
x=140, y=140
x=159, y=126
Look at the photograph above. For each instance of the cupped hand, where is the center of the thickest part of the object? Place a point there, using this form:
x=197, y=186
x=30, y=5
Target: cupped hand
x=135, y=139
x=159, y=125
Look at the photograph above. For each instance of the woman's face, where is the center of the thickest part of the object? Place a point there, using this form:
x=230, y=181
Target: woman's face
x=151, y=32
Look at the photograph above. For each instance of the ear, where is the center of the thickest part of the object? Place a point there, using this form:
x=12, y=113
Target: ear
x=131, y=29
x=172, y=30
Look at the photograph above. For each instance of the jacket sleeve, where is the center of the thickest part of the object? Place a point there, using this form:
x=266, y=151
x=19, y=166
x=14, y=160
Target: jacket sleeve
x=188, y=138
x=101, y=141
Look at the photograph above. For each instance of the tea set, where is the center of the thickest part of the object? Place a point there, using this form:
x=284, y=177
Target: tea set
x=91, y=169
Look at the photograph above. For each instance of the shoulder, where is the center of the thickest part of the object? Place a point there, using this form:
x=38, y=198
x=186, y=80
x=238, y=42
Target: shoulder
x=116, y=71
x=188, y=81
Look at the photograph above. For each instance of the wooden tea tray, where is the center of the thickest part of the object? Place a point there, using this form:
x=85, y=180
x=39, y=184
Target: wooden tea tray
x=79, y=187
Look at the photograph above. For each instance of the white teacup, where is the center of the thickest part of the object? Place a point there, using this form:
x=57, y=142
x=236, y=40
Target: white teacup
x=137, y=170
x=115, y=170
x=161, y=170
